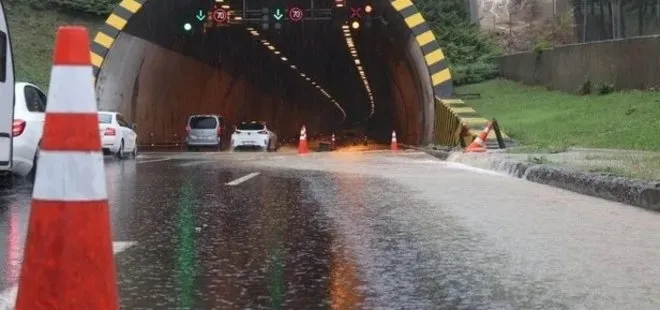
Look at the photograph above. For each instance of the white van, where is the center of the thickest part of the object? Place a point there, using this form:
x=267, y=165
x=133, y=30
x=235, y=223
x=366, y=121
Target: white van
x=6, y=95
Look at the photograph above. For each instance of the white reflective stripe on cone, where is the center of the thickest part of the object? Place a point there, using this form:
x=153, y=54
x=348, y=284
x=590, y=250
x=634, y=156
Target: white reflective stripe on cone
x=70, y=90
x=70, y=176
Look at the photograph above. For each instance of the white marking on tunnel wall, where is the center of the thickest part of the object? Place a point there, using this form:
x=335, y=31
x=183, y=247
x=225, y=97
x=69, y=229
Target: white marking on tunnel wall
x=8, y=296
x=243, y=179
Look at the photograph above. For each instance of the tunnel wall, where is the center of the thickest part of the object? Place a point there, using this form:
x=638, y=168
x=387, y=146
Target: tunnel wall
x=137, y=86
x=115, y=84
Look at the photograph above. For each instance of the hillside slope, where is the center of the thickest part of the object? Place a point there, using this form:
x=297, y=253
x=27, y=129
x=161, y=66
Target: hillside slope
x=32, y=34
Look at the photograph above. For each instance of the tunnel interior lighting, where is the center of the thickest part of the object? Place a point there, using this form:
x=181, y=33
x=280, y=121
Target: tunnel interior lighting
x=354, y=54
x=355, y=24
x=274, y=50
x=187, y=26
x=368, y=8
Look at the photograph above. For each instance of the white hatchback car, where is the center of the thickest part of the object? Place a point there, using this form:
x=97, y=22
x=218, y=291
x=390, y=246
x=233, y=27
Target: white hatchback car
x=251, y=135
x=29, y=116
x=117, y=135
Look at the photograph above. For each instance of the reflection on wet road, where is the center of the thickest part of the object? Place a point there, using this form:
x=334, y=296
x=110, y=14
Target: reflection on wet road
x=357, y=231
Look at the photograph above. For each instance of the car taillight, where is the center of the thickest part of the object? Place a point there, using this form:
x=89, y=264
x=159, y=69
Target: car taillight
x=188, y=129
x=263, y=132
x=18, y=127
x=109, y=132
x=219, y=131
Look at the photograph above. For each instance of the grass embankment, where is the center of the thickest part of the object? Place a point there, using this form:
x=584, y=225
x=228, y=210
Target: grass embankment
x=33, y=34
x=550, y=122
x=538, y=118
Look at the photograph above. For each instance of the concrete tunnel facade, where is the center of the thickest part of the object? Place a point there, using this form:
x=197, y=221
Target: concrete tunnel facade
x=156, y=78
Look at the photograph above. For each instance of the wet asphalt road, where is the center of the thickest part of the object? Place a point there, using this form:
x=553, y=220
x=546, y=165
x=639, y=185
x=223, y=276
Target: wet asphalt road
x=358, y=231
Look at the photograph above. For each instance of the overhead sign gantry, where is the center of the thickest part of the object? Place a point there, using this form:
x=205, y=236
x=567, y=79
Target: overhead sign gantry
x=276, y=13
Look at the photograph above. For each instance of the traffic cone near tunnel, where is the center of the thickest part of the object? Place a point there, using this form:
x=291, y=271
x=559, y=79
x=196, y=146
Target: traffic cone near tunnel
x=479, y=144
x=68, y=261
x=395, y=144
x=302, y=144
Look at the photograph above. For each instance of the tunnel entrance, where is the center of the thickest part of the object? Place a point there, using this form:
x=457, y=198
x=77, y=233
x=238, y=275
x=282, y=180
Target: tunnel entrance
x=157, y=62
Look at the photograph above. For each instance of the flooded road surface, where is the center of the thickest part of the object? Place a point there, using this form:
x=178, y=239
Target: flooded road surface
x=357, y=230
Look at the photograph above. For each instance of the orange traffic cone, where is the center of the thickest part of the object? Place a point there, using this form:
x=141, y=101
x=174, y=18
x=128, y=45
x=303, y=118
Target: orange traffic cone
x=302, y=145
x=395, y=145
x=479, y=144
x=68, y=261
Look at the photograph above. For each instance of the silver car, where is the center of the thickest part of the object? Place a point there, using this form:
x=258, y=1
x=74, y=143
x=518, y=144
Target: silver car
x=204, y=130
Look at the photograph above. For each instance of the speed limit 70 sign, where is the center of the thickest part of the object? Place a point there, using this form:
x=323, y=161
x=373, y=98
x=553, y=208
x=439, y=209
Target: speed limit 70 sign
x=219, y=15
x=296, y=14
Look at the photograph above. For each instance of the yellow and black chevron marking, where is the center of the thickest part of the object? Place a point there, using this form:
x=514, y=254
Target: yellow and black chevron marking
x=435, y=59
x=468, y=117
x=109, y=32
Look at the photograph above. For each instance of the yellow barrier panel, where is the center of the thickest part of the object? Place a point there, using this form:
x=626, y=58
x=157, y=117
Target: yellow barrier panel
x=451, y=115
x=447, y=125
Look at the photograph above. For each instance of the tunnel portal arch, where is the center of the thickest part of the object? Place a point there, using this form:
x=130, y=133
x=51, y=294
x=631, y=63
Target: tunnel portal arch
x=437, y=70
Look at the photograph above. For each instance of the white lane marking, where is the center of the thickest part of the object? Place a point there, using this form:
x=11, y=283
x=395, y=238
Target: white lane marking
x=121, y=246
x=152, y=161
x=197, y=163
x=243, y=179
x=8, y=296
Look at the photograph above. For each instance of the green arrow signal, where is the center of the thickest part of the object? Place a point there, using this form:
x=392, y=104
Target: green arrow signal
x=278, y=15
x=200, y=15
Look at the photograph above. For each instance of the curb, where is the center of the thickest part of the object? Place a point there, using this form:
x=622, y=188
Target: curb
x=640, y=193
x=635, y=192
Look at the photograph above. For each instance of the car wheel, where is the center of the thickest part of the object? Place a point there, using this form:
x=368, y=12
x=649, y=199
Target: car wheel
x=134, y=154
x=33, y=173
x=120, y=152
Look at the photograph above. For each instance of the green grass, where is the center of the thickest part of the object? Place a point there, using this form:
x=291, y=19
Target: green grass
x=541, y=119
x=33, y=34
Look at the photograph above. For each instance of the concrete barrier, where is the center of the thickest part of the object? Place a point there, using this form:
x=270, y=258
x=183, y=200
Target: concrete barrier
x=632, y=63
